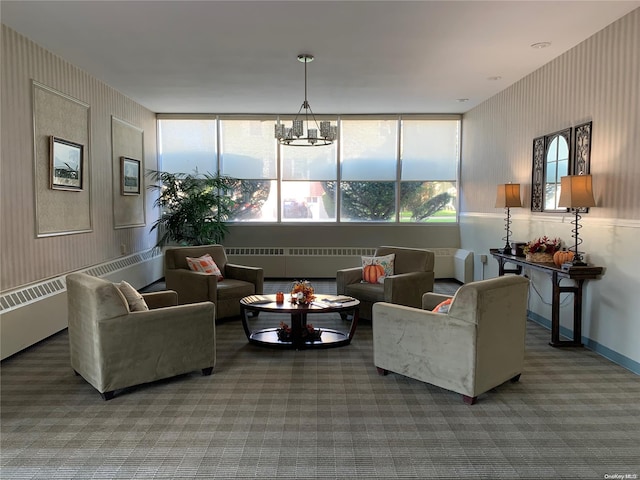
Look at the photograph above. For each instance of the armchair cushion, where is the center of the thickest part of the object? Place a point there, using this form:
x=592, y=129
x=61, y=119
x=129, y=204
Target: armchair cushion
x=376, y=269
x=443, y=306
x=204, y=264
x=135, y=300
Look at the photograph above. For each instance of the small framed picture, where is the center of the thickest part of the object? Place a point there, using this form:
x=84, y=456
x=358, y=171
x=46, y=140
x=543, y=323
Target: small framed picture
x=129, y=176
x=65, y=160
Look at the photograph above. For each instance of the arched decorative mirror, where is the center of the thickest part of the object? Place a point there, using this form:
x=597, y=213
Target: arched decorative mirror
x=551, y=161
x=556, y=166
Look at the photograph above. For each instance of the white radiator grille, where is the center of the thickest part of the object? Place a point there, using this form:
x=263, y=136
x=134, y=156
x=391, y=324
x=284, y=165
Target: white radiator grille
x=299, y=251
x=25, y=295
x=320, y=262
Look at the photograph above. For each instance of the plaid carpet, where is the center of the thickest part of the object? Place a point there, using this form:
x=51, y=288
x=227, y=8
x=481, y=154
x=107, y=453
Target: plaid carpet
x=324, y=414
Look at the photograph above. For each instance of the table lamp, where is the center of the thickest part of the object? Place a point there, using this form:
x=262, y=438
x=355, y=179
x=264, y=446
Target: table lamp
x=508, y=196
x=575, y=193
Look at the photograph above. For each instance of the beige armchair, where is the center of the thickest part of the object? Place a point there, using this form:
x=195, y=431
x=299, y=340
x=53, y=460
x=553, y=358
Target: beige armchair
x=239, y=280
x=113, y=348
x=476, y=346
x=413, y=276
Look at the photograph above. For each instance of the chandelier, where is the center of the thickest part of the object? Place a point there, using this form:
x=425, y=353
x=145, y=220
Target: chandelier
x=295, y=136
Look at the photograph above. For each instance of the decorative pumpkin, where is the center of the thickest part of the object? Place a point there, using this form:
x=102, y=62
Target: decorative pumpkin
x=562, y=256
x=371, y=273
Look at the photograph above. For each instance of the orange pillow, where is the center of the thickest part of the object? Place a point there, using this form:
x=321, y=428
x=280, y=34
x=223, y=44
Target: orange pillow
x=205, y=264
x=443, y=307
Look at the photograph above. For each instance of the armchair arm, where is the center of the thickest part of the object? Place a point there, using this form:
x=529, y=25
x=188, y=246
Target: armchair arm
x=155, y=344
x=246, y=273
x=191, y=286
x=166, y=298
x=408, y=288
x=432, y=347
x=430, y=300
x=346, y=277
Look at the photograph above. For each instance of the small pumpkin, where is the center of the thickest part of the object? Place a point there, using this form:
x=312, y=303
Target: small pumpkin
x=562, y=256
x=371, y=273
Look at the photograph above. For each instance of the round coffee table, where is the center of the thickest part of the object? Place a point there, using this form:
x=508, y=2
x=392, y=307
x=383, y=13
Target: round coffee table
x=298, y=337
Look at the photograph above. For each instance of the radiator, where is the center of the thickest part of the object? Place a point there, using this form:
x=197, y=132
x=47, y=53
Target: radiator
x=323, y=262
x=34, y=312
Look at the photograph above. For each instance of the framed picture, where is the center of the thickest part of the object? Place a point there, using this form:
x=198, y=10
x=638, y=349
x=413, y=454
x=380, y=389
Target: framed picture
x=65, y=160
x=129, y=176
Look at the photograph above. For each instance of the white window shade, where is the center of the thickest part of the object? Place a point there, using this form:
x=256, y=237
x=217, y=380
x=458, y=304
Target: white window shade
x=187, y=145
x=369, y=149
x=430, y=149
x=309, y=163
x=248, y=149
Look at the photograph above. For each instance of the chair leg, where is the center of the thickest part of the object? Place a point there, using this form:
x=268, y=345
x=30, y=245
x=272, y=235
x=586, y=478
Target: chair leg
x=515, y=379
x=207, y=371
x=382, y=371
x=469, y=400
x=107, y=395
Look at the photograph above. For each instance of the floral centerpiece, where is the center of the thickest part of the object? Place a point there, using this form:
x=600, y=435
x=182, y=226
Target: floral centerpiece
x=542, y=249
x=308, y=334
x=302, y=292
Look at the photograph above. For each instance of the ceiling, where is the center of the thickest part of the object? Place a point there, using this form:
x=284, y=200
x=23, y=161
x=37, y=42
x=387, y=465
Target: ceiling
x=371, y=56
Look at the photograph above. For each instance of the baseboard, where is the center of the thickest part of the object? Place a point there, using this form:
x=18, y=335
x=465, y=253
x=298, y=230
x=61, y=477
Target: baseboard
x=606, y=352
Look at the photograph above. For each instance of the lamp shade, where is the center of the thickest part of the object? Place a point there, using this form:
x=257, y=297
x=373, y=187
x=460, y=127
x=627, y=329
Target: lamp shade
x=576, y=192
x=508, y=195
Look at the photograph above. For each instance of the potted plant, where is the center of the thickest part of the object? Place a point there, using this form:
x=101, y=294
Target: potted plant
x=194, y=207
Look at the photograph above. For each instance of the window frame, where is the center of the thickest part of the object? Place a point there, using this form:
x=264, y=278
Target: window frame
x=338, y=119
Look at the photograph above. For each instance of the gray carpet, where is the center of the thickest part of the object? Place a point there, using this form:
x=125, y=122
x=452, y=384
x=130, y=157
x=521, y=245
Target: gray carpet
x=325, y=414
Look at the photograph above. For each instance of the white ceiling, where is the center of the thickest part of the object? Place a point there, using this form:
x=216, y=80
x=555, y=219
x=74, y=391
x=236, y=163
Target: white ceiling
x=371, y=56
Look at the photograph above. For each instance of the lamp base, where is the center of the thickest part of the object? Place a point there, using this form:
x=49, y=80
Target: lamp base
x=570, y=265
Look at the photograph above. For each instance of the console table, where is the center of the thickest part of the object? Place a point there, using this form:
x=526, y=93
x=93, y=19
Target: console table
x=577, y=274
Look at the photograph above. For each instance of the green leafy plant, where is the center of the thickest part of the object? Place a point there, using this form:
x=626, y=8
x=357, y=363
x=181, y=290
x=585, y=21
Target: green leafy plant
x=194, y=207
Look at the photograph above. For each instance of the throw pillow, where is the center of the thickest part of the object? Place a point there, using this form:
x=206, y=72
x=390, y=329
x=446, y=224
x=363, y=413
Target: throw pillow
x=443, y=307
x=376, y=269
x=205, y=264
x=134, y=299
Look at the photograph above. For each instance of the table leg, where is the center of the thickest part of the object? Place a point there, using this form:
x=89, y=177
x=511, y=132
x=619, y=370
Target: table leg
x=577, y=313
x=354, y=322
x=245, y=325
x=298, y=323
x=555, y=312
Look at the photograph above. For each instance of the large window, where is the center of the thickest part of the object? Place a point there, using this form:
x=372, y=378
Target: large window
x=381, y=169
x=248, y=153
x=429, y=170
x=305, y=174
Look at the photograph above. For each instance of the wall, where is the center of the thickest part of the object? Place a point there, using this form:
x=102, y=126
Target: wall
x=599, y=81
x=25, y=259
